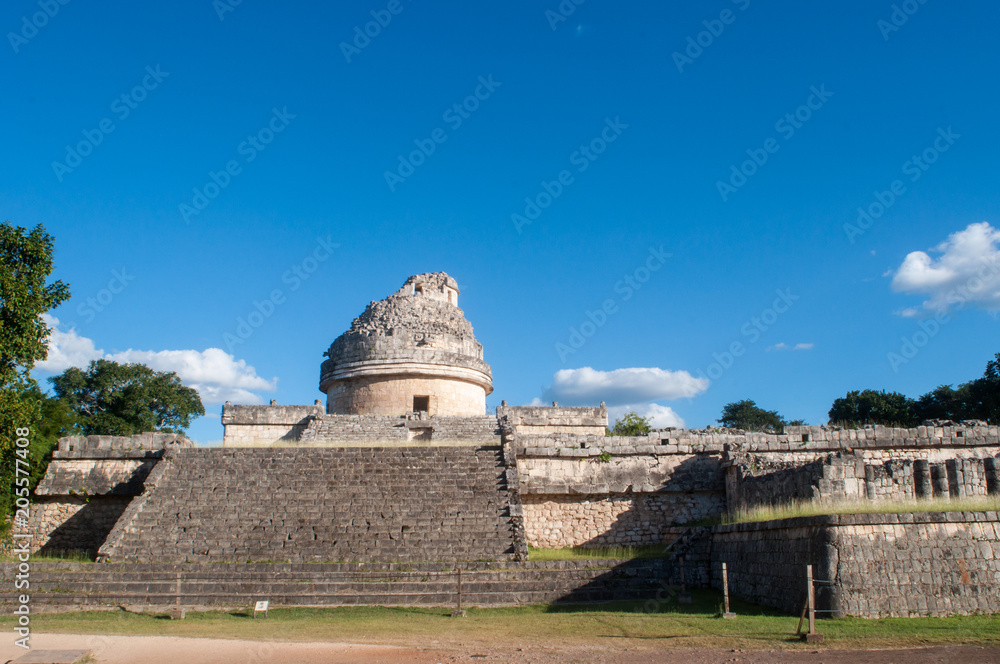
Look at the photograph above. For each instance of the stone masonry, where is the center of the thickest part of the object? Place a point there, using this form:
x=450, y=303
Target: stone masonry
x=413, y=351
x=331, y=504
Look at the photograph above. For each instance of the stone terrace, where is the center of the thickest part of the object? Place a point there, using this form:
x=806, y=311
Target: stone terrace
x=321, y=504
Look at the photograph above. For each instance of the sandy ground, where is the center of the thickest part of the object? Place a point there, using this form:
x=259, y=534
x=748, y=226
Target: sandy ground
x=164, y=650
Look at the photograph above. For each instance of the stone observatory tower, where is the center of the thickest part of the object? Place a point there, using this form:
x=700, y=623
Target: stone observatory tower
x=411, y=352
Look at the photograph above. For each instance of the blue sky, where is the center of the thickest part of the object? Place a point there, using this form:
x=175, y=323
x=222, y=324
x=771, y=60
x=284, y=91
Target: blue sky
x=194, y=159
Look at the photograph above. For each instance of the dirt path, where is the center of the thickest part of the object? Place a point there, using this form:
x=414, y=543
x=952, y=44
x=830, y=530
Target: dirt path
x=170, y=650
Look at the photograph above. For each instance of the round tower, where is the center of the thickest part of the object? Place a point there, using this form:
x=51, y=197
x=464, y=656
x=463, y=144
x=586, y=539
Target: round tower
x=411, y=352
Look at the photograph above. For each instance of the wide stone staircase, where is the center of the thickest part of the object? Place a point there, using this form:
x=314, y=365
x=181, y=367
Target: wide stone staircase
x=348, y=504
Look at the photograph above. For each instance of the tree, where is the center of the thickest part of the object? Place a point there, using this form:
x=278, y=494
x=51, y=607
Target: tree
x=873, y=407
x=24, y=297
x=125, y=399
x=631, y=424
x=977, y=399
x=944, y=403
x=748, y=416
x=25, y=266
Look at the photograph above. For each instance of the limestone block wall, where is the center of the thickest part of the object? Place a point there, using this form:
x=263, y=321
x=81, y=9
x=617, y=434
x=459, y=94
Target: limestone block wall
x=393, y=395
x=621, y=519
x=607, y=491
x=930, y=564
x=73, y=524
x=246, y=426
x=555, y=419
x=764, y=480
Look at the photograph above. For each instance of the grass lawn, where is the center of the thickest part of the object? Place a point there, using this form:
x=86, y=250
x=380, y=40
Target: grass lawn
x=600, y=553
x=624, y=624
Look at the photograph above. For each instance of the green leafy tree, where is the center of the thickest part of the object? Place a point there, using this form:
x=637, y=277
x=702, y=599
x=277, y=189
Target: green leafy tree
x=873, y=407
x=977, y=399
x=631, y=424
x=125, y=399
x=748, y=416
x=25, y=266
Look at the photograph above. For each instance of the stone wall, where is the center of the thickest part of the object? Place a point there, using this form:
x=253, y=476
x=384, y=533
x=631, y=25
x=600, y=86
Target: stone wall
x=89, y=483
x=555, y=419
x=73, y=524
x=617, y=519
x=774, y=479
x=266, y=425
x=597, y=490
x=927, y=564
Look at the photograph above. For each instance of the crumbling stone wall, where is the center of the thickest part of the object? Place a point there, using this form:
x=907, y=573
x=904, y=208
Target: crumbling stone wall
x=877, y=565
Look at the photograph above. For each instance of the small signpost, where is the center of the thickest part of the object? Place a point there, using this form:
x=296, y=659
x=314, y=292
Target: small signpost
x=812, y=636
x=684, y=597
x=260, y=606
x=726, y=613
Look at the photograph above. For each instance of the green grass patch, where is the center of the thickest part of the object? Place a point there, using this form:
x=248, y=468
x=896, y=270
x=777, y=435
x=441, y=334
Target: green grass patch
x=620, y=624
x=48, y=558
x=597, y=553
x=814, y=508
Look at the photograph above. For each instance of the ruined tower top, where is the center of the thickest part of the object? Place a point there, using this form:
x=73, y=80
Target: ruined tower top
x=414, y=351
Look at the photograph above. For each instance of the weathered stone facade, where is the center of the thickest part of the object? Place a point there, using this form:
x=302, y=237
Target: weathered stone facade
x=89, y=484
x=869, y=565
x=413, y=351
x=613, y=519
x=403, y=464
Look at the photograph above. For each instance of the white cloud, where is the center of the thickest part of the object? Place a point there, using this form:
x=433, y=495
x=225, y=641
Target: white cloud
x=587, y=386
x=67, y=349
x=784, y=346
x=214, y=373
x=966, y=271
x=659, y=416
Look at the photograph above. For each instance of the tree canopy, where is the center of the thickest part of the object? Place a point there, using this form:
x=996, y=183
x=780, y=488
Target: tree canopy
x=631, y=424
x=873, y=407
x=125, y=399
x=978, y=399
x=748, y=416
x=25, y=265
